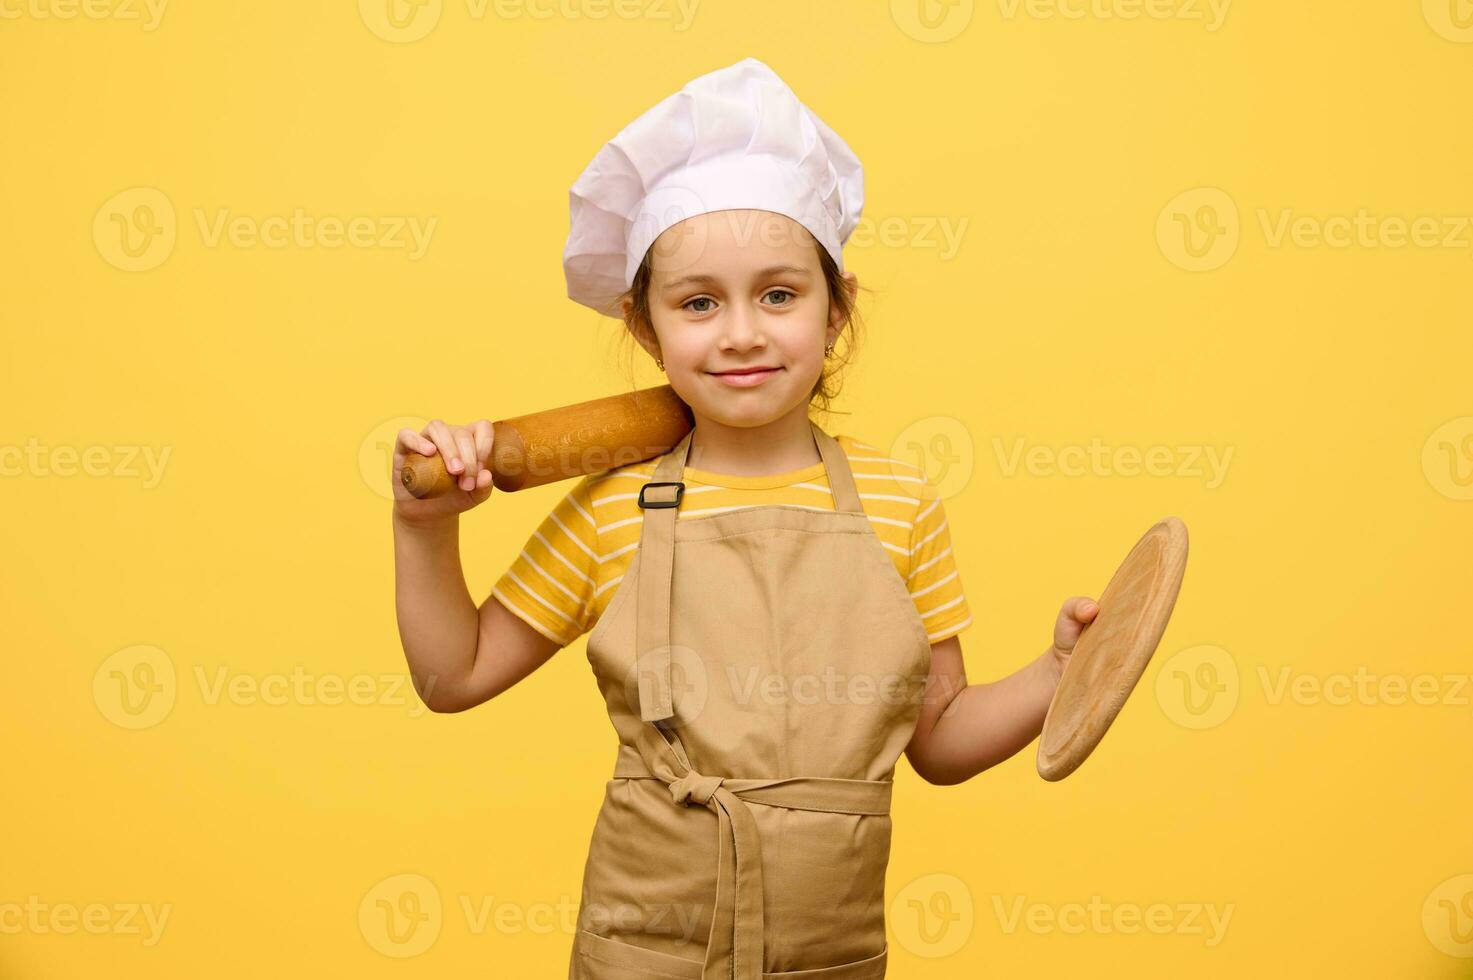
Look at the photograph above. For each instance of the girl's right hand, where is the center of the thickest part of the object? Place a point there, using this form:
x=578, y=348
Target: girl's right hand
x=465, y=449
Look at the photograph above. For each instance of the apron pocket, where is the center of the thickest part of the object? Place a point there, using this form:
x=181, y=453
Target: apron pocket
x=869, y=968
x=601, y=958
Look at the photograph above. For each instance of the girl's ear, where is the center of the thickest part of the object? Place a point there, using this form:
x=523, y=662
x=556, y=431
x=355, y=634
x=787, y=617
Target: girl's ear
x=645, y=338
x=836, y=319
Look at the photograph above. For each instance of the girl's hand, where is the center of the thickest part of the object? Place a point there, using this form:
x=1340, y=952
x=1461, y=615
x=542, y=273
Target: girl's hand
x=465, y=449
x=1076, y=613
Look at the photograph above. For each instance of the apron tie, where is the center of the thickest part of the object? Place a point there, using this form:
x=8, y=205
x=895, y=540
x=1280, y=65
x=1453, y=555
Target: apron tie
x=694, y=786
x=734, y=949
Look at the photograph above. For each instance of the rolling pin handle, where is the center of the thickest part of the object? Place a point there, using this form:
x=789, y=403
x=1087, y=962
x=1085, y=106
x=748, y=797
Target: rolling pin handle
x=426, y=476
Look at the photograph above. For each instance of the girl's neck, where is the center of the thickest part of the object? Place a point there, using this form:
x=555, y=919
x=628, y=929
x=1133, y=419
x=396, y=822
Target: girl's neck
x=781, y=446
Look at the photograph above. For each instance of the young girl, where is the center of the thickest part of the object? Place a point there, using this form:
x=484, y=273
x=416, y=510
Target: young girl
x=773, y=609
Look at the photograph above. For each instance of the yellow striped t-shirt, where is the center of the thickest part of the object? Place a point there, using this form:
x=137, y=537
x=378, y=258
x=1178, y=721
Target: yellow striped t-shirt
x=570, y=567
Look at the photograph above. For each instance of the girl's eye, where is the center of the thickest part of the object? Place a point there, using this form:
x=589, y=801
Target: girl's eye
x=687, y=305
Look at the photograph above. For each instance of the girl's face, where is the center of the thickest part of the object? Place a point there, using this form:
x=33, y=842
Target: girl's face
x=735, y=290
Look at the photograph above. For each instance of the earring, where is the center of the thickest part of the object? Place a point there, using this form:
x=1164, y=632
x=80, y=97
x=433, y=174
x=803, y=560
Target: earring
x=659, y=364
x=828, y=351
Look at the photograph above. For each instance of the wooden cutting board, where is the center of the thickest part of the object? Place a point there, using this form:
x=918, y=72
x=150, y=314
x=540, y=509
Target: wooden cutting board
x=1114, y=649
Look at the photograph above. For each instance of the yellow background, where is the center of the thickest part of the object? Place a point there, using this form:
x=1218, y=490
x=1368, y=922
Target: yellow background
x=1338, y=539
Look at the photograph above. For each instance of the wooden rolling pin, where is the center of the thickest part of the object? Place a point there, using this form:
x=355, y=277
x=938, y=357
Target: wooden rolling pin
x=560, y=443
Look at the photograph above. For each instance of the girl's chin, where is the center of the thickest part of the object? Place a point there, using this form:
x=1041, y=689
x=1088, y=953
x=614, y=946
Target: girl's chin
x=743, y=409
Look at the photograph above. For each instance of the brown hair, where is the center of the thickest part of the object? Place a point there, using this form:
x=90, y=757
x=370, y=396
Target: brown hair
x=827, y=387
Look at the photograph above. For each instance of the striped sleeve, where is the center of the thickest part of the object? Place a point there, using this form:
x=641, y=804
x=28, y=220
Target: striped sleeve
x=934, y=583
x=550, y=586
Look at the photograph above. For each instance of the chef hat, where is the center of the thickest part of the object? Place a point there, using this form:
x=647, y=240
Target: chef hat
x=736, y=138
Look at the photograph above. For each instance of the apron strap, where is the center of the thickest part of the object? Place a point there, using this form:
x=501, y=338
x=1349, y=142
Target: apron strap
x=841, y=479
x=660, y=501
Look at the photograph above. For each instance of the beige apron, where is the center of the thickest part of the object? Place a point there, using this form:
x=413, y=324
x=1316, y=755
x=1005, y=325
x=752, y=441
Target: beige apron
x=746, y=830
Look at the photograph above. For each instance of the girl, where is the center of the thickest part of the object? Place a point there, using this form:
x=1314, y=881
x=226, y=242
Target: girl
x=769, y=630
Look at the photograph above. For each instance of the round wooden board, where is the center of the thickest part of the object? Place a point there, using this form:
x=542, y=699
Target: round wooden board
x=1114, y=649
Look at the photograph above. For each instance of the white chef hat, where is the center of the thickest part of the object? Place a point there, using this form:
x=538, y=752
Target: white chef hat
x=736, y=138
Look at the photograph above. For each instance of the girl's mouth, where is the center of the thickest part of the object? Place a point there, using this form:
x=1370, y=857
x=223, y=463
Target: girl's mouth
x=747, y=379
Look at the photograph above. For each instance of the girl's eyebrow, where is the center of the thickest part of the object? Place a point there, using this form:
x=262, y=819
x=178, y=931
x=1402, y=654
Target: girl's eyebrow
x=771, y=270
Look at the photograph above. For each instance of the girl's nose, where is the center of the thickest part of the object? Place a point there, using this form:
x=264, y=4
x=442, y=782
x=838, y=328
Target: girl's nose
x=742, y=328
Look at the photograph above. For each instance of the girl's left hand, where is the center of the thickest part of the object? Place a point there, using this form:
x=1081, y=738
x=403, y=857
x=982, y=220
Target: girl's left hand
x=1076, y=613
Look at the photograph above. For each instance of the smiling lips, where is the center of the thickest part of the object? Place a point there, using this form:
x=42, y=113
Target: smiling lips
x=745, y=377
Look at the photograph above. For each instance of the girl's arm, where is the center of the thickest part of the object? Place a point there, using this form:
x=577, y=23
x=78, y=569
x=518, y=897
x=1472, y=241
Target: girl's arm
x=459, y=656
x=964, y=729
